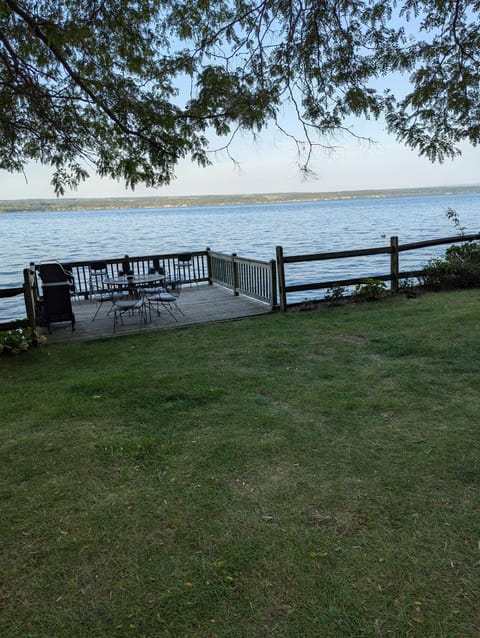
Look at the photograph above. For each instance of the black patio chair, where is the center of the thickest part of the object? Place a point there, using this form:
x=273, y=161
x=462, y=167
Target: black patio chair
x=184, y=268
x=156, y=267
x=125, y=307
x=100, y=293
x=168, y=299
x=126, y=267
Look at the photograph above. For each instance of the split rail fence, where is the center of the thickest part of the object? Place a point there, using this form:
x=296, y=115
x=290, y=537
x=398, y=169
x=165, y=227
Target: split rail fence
x=394, y=250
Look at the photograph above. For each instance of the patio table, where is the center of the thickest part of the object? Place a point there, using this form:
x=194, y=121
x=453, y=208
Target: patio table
x=134, y=283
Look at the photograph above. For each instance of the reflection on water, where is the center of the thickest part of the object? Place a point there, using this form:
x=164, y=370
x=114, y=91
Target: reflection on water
x=249, y=230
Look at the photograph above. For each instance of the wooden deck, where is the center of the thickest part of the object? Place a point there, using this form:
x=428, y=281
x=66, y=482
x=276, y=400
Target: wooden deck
x=202, y=304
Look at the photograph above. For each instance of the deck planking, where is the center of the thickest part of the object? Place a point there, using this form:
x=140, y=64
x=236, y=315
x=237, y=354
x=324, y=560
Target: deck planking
x=200, y=304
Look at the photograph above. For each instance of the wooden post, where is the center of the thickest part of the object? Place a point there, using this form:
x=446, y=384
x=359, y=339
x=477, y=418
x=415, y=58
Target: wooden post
x=273, y=283
x=235, y=273
x=394, y=269
x=281, y=278
x=28, y=292
x=209, y=267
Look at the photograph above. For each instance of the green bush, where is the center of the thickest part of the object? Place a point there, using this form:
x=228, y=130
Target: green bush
x=408, y=287
x=18, y=340
x=459, y=268
x=370, y=290
x=335, y=295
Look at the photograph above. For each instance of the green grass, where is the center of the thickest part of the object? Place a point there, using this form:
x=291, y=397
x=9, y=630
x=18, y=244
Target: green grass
x=300, y=475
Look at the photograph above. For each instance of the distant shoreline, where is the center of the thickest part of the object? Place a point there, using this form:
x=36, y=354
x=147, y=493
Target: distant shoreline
x=109, y=203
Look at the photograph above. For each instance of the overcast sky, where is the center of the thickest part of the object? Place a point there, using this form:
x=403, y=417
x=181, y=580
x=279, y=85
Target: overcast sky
x=270, y=164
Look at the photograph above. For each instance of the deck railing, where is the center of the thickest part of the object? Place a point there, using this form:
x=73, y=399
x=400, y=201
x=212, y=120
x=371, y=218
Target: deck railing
x=193, y=268
x=393, y=276
x=251, y=277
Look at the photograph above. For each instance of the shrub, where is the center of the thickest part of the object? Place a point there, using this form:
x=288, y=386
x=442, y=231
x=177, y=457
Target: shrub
x=407, y=286
x=18, y=340
x=335, y=295
x=370, y=290
x=459, y=268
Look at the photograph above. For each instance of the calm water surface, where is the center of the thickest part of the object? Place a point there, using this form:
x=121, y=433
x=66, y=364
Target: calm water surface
x=249, y=230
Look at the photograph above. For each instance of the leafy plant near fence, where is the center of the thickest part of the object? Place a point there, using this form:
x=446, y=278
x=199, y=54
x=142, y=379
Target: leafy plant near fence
x=335, y=295
x=370, y=290
x=452, y=215
x=18, y=340
x=408, y=287
x=459, y=268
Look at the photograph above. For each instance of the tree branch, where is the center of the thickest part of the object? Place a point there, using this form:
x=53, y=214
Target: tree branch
x=78, y=80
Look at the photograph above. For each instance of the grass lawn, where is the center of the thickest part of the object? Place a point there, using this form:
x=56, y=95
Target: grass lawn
x=300, y=475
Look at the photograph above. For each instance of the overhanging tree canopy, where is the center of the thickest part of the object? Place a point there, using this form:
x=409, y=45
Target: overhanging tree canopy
x=132, y=87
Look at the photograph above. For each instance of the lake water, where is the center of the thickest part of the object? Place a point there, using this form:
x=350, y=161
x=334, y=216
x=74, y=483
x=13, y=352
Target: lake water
x=249, y=230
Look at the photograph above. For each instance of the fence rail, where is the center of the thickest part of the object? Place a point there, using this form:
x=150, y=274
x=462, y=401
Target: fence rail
x=250, y=277
x=394, y=249
x=29, y=290
x=10, y=292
